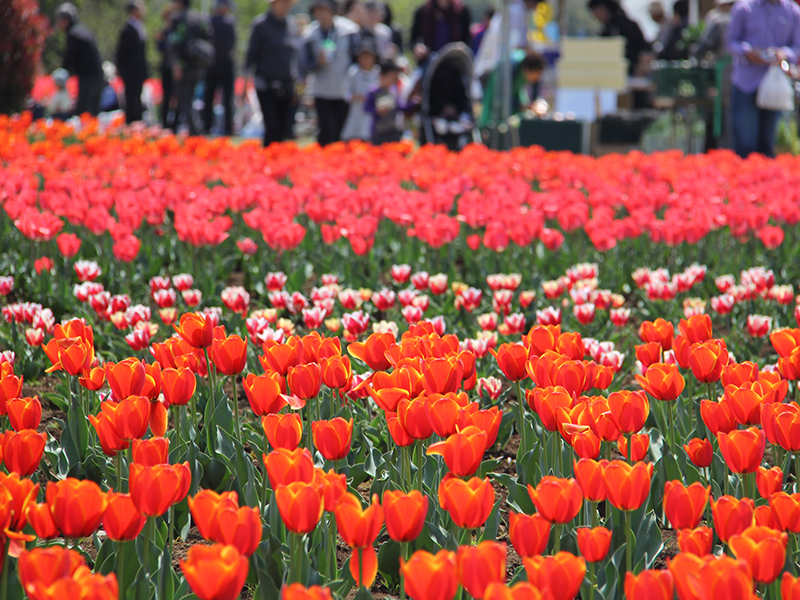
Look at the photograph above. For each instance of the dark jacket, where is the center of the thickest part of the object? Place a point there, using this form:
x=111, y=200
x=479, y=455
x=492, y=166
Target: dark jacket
x=621, y=25
x=131, y=61
x=272, y=52
x=186, y=25
x=81, y=56
x=436, y=28
x=223, y=36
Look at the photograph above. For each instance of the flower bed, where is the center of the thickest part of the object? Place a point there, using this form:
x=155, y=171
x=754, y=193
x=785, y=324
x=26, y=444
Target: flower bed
x=507, y=375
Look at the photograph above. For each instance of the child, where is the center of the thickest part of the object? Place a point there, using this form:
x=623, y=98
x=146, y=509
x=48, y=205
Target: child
x=60, y=105
x=362, y=77
x=383, y=104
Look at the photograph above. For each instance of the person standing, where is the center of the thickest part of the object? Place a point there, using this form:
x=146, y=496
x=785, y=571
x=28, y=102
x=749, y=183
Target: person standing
x=165, y=70
x=81, y=58
x=220, y=75
x=329, y=47
x=616, y=23
x=131, y=61
x=438, y=23
x=189, y=54
x=272, y=59
x=761, y=33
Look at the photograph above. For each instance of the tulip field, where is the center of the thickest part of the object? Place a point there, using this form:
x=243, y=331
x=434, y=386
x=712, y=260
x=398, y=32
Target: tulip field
x=301, y=373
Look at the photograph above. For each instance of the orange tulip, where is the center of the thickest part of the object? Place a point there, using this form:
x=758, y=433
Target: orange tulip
x=519, y=591
x=399, y=435
x=790, y=588
x=237, y=527
x=662, y=381
x=196, y=329
x=786, y=511
x=696, y=328
x=557, y=500
x=151, y=452
x=731, y=516
x=23, y=493
x=333, y=486
x=763, y=549
x=743, y=449
x=10, y=387
x=430, y=576
x=648, y=354
x=444, y=412
x=178, y=385
x=297, y=591
x=41, y=567
x=373, y=351
x=110, y=442
x=283, y=430
x=41, y=519
x=627, y=486
x=23, y=450
x=511, y=359
x=747, y=401
x=129, y=417
x=121, y=520
x=204, y=506
x=282, y=357
x=684, y=506
x=215, y=572
x=478, y=566
x=769, y=481
x=589, y=475
x=696, y=541
x=305, y=380
x=469, y=503
x=77, y=507
x=442, y=375
x=300, y=505
x=155, y=489
x=764, y=517
x=781, y=423
x=73, y=355
x=629, y=410
x=545, y=401
x=415, y=417
x=706, y=360
x=333, y=438
x=405, y=514
x=558, y=577
x=229, y=355
x=337, y=372
x=649, y=585
x=126, y=378
x=717, y=416
x=640, y=445
x=358, y=527
x=462, y=451
x=24, y=413
x=660, y=331
x=785, y=341
x=700, y=452
x=711, y=577
x=529, y=534
x=264, y=392
x=594, y=543
x=364, y=566
x=287, y=466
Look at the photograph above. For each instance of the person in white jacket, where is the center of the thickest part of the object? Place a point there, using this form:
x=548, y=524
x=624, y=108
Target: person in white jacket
x=328, y=48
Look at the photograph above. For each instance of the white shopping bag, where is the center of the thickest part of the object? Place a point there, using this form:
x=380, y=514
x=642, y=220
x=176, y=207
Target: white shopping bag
x=775, y=91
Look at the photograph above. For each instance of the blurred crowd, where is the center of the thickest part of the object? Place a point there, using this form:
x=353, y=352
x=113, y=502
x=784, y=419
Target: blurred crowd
x=349, y=66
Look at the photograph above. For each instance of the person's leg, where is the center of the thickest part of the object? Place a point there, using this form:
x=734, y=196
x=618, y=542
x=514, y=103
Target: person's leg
x=137, y=99
x=768, y=127
x=133, y=101
x=186, y=88
x=166, y=101
x=326, y=121
x=98, y=83
x=227, y=81
x=82, y=102
x=744, y=114
x=212, y=81
x=341, y=108
x=286, y=117
x=271, y=117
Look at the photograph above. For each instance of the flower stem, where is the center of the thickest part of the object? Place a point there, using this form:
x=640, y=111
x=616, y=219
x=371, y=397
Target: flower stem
x=521, y=419
x=264, y=480
x=236, y=410
x=334, y=567
x=118, y=468
x=403, y=557
x=592, y=581
x=671, y=416
x=629, y=545
x=420, y=463
x=557, y=540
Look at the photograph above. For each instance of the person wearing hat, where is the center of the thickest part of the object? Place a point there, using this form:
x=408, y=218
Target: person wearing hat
x=272, y=60
x=712, y=40
x=362, y=77
x=328, y=48
x=221, y=73
x=131, y=61
x=81, y=58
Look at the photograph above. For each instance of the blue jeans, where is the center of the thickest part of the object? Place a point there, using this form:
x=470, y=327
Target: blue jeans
x=753, y=128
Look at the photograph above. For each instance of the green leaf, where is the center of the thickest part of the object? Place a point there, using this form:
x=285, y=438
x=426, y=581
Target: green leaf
x=389, y=562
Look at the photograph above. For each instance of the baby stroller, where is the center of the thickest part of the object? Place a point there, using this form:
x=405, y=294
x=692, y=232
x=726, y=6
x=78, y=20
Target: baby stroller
x=446, y=103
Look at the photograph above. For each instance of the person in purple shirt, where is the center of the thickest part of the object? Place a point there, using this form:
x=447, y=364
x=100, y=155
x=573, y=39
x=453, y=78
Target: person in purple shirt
x=761, y=33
